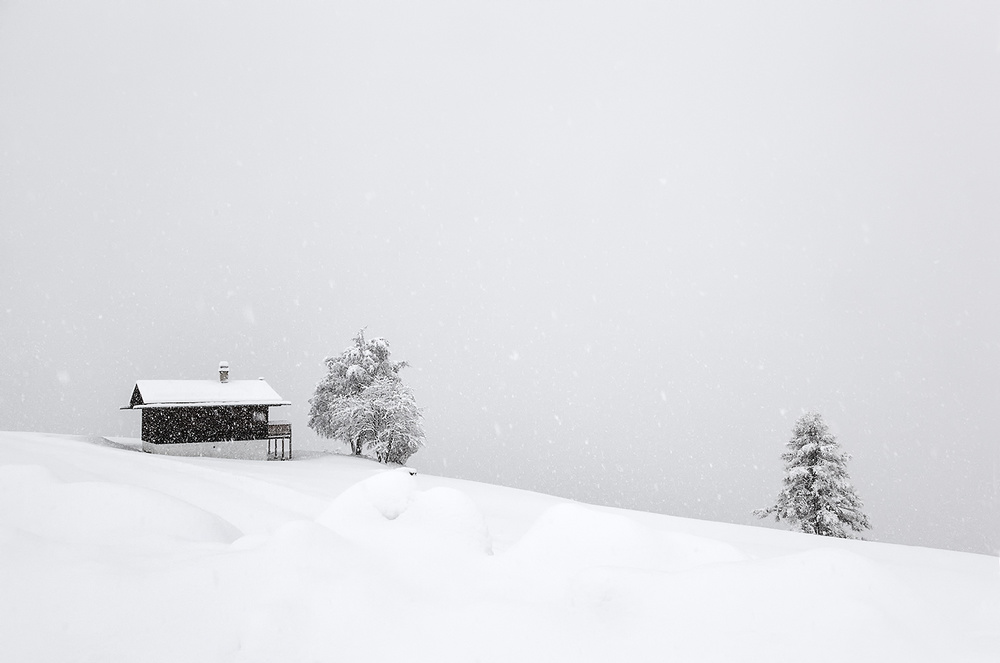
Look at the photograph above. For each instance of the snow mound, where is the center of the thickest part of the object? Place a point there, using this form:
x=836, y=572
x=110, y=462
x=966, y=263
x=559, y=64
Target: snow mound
x=575, y=537
x=369, y=502
x=387, y=511
x=93, y=512
x=450, y=519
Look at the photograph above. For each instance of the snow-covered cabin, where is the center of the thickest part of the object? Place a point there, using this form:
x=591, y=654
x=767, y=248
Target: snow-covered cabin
x=228, y=418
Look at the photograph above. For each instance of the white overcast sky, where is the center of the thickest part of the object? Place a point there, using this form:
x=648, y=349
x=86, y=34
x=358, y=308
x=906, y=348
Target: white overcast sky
x=623, y=245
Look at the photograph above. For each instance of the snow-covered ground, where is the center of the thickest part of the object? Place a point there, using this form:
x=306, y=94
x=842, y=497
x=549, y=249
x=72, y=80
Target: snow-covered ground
x=109, y=554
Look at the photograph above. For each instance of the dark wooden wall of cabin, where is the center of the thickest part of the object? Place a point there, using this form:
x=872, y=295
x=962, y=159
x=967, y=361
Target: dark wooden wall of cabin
x=204, y=424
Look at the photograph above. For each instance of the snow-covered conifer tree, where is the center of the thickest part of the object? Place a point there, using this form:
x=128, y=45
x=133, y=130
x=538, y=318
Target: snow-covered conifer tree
x=817, y=496
x=362, y=402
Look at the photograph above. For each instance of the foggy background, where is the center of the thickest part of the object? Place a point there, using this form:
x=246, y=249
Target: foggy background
x=623, y=245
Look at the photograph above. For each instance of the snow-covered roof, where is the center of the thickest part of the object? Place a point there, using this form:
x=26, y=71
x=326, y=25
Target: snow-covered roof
x=186, y=393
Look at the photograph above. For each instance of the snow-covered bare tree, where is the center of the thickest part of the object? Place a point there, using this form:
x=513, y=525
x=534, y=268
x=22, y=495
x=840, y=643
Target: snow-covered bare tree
x=395, y=431
x=363, y=402
x=817, y=496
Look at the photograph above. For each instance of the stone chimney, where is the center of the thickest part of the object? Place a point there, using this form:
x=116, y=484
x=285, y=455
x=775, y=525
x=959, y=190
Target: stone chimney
x=223, y=371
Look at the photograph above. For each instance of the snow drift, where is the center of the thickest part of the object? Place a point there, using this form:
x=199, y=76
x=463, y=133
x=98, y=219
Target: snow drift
x=114, y=555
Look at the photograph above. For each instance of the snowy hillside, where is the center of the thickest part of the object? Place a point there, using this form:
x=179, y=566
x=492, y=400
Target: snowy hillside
x=109, y=554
